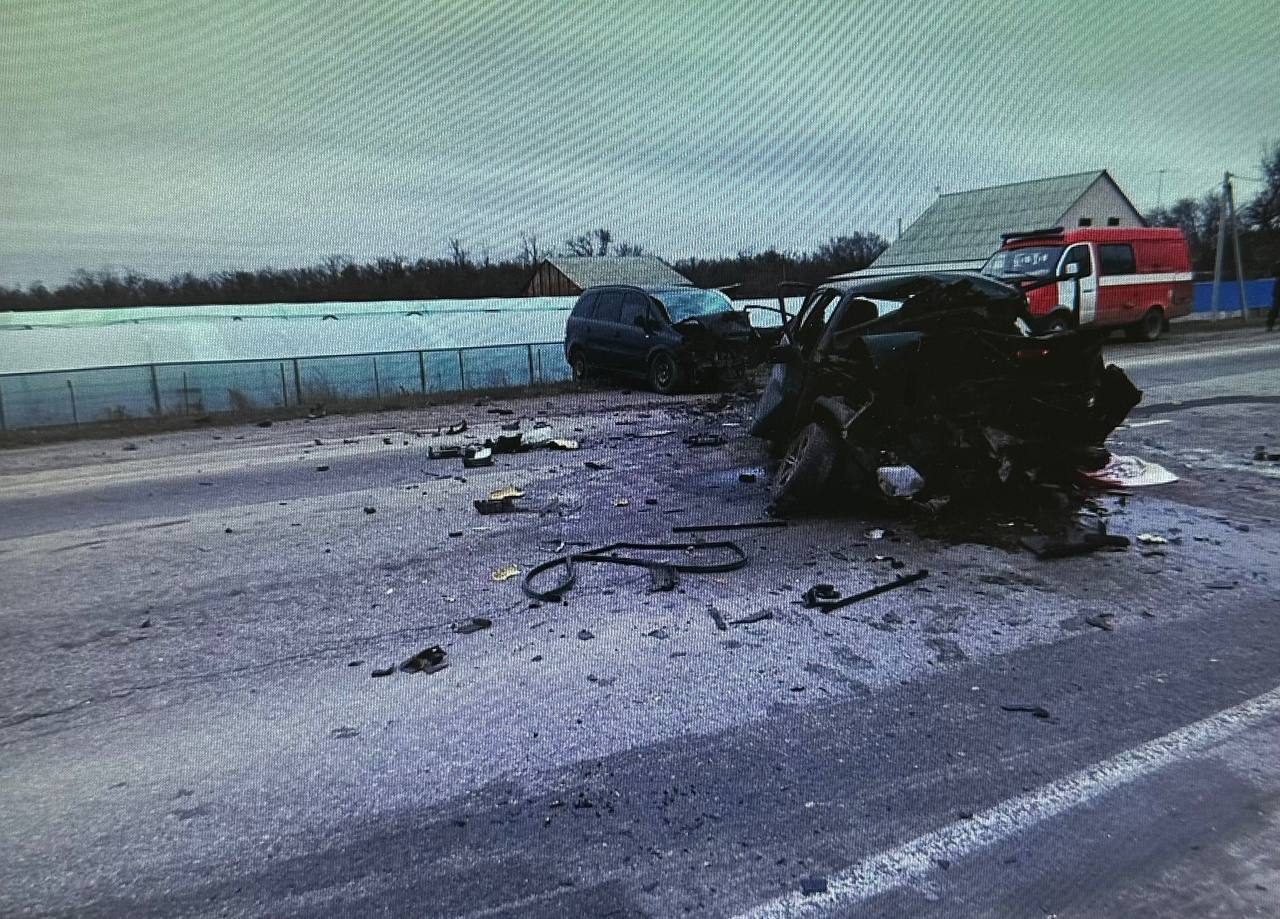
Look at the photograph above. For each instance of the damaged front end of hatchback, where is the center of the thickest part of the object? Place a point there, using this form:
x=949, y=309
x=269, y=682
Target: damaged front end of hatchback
x=942, y=398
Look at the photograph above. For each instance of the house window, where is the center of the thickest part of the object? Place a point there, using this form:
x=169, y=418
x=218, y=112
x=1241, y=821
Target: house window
x=1086, y=221
x=1113, y=221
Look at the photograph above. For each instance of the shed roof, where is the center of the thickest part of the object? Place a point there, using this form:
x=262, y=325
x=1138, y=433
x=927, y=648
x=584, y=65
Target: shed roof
x=966, y=226
x=642, y=270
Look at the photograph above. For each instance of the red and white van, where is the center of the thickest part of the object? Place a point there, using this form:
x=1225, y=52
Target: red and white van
x=1135, y=278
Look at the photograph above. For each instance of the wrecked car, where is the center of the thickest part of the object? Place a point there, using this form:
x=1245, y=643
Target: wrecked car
x=927, y=388
x=673, y=337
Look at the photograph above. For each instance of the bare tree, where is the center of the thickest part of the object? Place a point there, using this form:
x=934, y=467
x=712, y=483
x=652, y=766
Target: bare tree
x=628, y=249
x=603, y=238
x=580, y=245
x=458, y=255
x=529, y=254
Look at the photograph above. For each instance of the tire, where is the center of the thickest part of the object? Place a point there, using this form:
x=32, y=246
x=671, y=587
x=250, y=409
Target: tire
x=804, y=470
x=1148, y=328
x=578, y=364
x=665, y=375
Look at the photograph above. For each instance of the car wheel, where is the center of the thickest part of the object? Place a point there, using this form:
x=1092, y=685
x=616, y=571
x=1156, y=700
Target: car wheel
x=664, y=374
x=1148, y=328
x=804, y=470
x=578, y=364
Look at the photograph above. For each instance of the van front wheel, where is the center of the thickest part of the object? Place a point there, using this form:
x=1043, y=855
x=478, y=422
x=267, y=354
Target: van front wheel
x=1148, y=328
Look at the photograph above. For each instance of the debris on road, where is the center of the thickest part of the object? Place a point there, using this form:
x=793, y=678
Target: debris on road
x=705, y=440
x=812, y=886
x=562, y=443
x=609, y=554
x=718, y=618
x=754, y=617
x=370, y=510
x=322, y=469
x=745, y=525
x=662, y=578
x=827, y=598
x=384, y=671
x=652, y=433
x=445, y=451
x=428, y=660
x=1131, y=472
x=474, y=625
x=506, y=573
x=585, y=635
x=621, y=502
x=1104, y=621
x=1152, y=539
x=475, y=457
x=1081, y=541
x=1038, y=710
x=595, y=466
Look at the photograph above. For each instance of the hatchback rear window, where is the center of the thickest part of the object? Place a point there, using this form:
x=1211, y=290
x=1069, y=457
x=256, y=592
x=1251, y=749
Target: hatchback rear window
x=585, y=306
x=609, y=306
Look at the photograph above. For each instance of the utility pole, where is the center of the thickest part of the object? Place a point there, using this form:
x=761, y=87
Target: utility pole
x=1235, y=235
x=1227, y=213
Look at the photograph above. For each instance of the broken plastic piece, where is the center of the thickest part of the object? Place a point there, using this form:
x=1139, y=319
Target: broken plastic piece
x=428, y=660
x=501, y=506
x=475, y=624
x=507, y=443
x=718, y=618
x=447, y=451
x=563, y=443
x=504, y=494
x=536, y=437
x=621, y=502
x=506, y=573
x=899, y=481
x=1132, y=472
x=705, y=440
x=1152, y=539
x=1038, y=710
x=474, y=457
x=1078, y=543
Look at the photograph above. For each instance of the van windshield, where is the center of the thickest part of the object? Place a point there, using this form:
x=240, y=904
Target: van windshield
x=1025, y=262
x=685, y=304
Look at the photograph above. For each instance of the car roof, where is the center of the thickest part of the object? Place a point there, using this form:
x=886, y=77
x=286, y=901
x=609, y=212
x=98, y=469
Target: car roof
x=647, y=288
x=893, y=286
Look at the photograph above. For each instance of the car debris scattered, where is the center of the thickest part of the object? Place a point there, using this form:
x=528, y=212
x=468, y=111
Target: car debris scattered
x=476, y=457
x=705, y=440
x=500, y=501
x=1103, y=621
x=474, y=624
x=1080, y=541
x=1038, y=710
x=718, y=618
x=753, y=618
x=383, y=671
x=428, y=660
x=744, y=525
x=506, y=572
x=827, y=598
x=737, y=558
x=1152, y=539
x=1131, y=472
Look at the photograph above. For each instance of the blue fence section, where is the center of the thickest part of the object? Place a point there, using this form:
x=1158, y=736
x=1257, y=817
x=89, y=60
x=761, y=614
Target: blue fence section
x=1257, y=296
x=29, y=400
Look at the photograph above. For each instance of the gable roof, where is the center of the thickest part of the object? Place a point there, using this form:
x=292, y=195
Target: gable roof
x=641, y=270
x=966, y=226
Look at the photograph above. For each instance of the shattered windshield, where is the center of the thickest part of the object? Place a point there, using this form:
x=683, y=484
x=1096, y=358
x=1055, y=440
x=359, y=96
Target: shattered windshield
x=686, y=304
x=1030, y=261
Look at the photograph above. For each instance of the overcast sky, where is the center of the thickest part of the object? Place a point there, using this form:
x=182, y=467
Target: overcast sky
x=164, y=136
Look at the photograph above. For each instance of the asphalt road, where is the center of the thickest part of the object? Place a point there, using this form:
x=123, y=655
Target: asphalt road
x=189, y=727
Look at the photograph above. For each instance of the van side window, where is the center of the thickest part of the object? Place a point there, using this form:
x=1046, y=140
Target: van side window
x=1079, y=255
x=585, y=306
x=634, y=306
x=1117, y=258
x=609, y=306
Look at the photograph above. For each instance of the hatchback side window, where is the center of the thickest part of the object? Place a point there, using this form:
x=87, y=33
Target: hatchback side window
x=585, y=306
x=609, y=306
x=1117, y=258
x=635, y=306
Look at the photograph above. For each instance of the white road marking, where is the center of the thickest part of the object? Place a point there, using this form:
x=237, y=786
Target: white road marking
x=913, y=860
x=1187, y=357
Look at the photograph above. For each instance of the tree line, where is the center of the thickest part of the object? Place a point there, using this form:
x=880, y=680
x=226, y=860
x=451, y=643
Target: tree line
x=459, y=275
x=1258, y=220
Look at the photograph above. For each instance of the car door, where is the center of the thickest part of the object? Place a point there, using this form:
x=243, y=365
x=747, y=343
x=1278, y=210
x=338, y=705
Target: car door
x=604, y=322
x=1079, y=294
x=777, y=406
x=632, y=334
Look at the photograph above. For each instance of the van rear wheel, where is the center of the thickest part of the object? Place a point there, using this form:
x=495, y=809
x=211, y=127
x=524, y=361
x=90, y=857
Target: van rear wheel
x=1148, y=328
